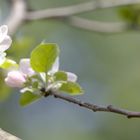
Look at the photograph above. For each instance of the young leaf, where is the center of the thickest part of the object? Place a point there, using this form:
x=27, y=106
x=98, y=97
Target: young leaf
x=8, y=63
x=43, y=57
x=60, y=76
x=71, y=88
x=27, y=98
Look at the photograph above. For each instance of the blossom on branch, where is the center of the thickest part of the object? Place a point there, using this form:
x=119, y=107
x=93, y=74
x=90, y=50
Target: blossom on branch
x=40, y=75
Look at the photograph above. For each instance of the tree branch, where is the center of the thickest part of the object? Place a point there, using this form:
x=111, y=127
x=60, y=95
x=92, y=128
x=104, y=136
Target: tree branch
x=60, y=12
x=20, y=14
x=77, y=9
x=67, y=13
x=17, y=15
x=98, y=26
x=94, y=107
x=7, y=136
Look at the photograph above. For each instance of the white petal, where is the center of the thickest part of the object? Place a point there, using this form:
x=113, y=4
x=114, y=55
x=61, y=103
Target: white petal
x=71, y=77
x=24, y=66
x=3, y=32
x=55, y=67
x=5, y=43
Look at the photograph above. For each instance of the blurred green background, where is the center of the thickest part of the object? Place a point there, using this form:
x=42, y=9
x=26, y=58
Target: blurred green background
x=108, y=67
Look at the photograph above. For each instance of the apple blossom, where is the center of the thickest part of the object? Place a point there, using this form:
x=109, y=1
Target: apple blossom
x=17, y=78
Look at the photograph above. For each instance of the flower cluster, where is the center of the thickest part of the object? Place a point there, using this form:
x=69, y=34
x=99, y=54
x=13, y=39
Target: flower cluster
x=17, y=78
x=40, y=71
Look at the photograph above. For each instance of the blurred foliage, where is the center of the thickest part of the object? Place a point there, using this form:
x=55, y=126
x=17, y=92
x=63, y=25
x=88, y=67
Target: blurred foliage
x=131, y=14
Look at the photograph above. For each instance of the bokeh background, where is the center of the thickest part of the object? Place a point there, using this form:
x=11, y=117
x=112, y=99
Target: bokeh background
x=108, y=67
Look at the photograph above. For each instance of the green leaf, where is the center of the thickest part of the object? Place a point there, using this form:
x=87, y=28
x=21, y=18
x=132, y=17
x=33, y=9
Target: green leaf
x=71, y=88
x=43, y=57
x=27, y=98
x=60, y=76
x=8, y=63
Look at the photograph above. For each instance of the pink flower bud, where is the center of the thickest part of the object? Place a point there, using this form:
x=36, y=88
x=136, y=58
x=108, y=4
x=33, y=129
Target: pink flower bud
x=15, y=79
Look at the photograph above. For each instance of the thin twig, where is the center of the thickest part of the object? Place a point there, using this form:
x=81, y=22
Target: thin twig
x=95, y=108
